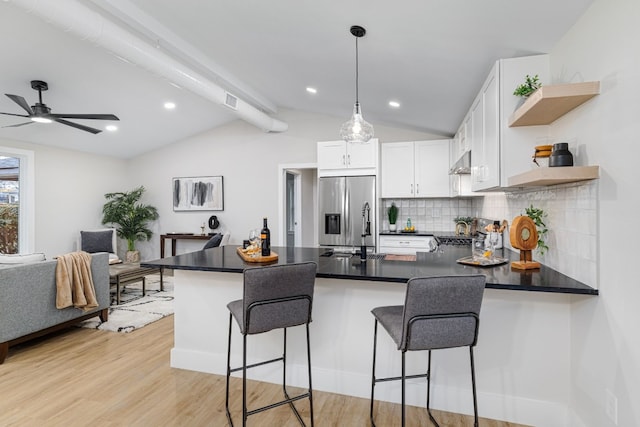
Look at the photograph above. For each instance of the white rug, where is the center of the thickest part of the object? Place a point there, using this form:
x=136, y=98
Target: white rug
x=139, y=310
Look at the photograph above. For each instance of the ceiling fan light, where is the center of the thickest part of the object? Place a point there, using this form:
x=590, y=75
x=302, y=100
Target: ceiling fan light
x=38, y=119
x=356, y=129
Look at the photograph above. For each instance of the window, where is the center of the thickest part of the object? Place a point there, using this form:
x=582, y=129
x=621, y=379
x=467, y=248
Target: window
x=17, y=216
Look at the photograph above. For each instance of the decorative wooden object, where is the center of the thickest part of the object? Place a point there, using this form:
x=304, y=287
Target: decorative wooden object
x=258, y=258
x=524, y=236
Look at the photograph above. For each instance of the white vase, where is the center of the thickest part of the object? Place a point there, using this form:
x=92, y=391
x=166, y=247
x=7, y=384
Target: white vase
x=392, y=227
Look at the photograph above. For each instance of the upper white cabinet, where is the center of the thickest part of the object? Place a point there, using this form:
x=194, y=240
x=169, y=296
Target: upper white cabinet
x=461, y=143
x=498, y=151
x=341, y=155
x=415, y=169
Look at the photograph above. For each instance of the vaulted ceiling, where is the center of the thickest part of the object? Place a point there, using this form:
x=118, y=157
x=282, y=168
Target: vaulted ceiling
x=101, y=56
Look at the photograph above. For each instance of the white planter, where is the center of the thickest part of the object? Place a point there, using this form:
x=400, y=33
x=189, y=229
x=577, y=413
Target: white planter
x=132, y=256
x=392, y=227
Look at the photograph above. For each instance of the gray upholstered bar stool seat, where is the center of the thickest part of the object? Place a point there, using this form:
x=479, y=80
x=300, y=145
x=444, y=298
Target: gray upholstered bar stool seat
x=438, y=312
x=274, y=297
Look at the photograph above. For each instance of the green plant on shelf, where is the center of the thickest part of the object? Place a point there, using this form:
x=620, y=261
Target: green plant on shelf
x=530, y=85
x=538, y=217
x=392, y=212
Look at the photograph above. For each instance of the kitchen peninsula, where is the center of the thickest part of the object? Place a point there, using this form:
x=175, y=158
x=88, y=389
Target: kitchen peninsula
x=524, y=314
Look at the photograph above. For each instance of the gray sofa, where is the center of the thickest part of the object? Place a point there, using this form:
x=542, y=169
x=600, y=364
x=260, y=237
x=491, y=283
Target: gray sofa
x=28, y=301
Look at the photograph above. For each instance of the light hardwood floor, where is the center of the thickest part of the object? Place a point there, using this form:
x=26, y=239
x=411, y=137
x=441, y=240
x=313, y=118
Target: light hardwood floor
x=84, y=377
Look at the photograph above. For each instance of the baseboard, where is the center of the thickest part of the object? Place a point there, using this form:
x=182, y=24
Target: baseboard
x=459, y=400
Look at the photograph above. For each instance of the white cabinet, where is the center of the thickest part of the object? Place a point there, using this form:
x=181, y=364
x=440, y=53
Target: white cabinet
x=498, y=151
x=341, y=155
x=415, y=169
x=404, y=244
x=461, y=142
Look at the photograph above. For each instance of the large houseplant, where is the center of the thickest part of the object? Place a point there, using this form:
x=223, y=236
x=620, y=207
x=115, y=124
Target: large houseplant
x=130, y=218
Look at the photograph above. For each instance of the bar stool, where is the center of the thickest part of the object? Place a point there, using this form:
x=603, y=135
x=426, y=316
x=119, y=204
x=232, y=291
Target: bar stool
x=438, y=312
x=274, y=297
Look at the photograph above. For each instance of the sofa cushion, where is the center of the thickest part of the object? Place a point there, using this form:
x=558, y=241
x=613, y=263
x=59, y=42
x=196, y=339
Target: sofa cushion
x=21, y=258
x=214, y=241
x=97, y=241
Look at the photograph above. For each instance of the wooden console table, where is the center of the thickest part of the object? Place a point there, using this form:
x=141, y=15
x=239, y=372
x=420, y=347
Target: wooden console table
x=174, y=237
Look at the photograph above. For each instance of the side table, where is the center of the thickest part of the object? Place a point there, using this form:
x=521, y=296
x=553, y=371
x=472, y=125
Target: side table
x=174, y=237
x=126, y=273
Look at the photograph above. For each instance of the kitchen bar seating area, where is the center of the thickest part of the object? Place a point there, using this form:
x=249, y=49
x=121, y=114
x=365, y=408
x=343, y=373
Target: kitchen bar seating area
x=346, y=291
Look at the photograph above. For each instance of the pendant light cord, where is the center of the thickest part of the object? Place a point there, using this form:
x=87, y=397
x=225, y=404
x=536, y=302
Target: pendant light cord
x=357, y=100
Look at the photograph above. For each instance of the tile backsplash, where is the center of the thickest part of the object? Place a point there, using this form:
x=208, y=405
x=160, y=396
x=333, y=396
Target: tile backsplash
x=572, y=221
x=428, y=214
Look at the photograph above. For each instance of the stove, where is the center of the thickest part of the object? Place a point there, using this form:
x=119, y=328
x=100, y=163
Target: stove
x=454, y=240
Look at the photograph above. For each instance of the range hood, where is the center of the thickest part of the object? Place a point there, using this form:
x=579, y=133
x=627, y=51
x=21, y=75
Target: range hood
x=462, y=166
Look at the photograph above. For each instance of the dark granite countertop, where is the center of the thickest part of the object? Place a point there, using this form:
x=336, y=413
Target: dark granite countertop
x=226, y=259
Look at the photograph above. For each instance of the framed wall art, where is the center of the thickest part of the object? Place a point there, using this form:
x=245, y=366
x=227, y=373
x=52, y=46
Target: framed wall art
x=201, y=193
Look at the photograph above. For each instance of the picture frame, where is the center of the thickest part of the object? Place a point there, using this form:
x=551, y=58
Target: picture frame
x=198, y=193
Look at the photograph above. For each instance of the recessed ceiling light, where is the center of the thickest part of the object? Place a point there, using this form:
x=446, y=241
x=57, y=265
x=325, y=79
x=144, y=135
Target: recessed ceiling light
x=111, y=128
x=169, y=105
x=394, y=104
x=312, y=90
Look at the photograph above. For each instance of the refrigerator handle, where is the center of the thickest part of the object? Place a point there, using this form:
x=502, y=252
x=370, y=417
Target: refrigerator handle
x=346, y=211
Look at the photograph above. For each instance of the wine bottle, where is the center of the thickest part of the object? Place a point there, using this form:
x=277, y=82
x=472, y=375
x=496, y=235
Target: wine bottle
x=265, y=236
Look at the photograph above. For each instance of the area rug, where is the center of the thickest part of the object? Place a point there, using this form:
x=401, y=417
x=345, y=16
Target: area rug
x=136, y=311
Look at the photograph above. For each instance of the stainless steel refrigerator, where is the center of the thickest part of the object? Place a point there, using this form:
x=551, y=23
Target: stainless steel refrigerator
x=347, y=207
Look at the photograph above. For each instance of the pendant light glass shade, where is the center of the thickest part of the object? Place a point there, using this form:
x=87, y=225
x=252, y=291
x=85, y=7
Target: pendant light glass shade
x=357, y=129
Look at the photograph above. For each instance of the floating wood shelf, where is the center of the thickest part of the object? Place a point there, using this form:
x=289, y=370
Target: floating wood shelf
x=549, y=103
x=556, y=175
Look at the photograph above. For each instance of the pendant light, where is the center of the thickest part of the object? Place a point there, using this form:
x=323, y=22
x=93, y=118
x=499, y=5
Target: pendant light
x=356, y=129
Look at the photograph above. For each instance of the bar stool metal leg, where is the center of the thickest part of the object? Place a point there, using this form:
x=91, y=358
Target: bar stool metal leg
x=433, y=420
x=373, y=369
x=473, y=385
x=226, y=404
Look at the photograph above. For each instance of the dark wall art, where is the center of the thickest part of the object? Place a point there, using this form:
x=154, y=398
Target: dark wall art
x=202, y=193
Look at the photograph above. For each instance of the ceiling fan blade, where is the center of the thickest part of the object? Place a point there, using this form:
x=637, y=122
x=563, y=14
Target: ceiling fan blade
x=21, y=102
x=86, y=116
x=77, y=126
x=11, y=114
x=19, y=124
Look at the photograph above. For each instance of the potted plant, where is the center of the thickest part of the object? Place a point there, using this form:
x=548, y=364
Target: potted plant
x=392, y=212
x=130, y=218
x=530, y=85
x=538, y=216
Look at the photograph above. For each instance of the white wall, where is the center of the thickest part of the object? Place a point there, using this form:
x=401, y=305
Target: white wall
x=248, y=160
x=69, y=193
x=605, y=343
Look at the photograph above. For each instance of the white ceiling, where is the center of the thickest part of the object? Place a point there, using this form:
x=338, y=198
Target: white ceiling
x=430, y=55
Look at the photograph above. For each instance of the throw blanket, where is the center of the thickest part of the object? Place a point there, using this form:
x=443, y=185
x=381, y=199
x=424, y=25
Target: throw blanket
x=74, y=283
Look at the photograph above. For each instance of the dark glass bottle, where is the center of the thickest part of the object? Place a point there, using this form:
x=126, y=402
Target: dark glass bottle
x=265, y=236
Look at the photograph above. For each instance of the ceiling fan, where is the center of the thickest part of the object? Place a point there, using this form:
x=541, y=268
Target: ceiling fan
x=40, y=113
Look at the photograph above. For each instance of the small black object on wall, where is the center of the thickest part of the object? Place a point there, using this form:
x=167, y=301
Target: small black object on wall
x=213, y=222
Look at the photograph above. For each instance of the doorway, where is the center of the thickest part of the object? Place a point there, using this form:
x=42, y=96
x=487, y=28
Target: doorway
x=298, y=205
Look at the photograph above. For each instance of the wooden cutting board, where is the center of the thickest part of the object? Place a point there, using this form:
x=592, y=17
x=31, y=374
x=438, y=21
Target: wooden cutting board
x=257, y=258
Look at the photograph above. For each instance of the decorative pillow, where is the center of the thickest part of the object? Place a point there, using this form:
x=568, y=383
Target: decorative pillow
x=97, y=241
x=21, y=258
x=214, y=241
